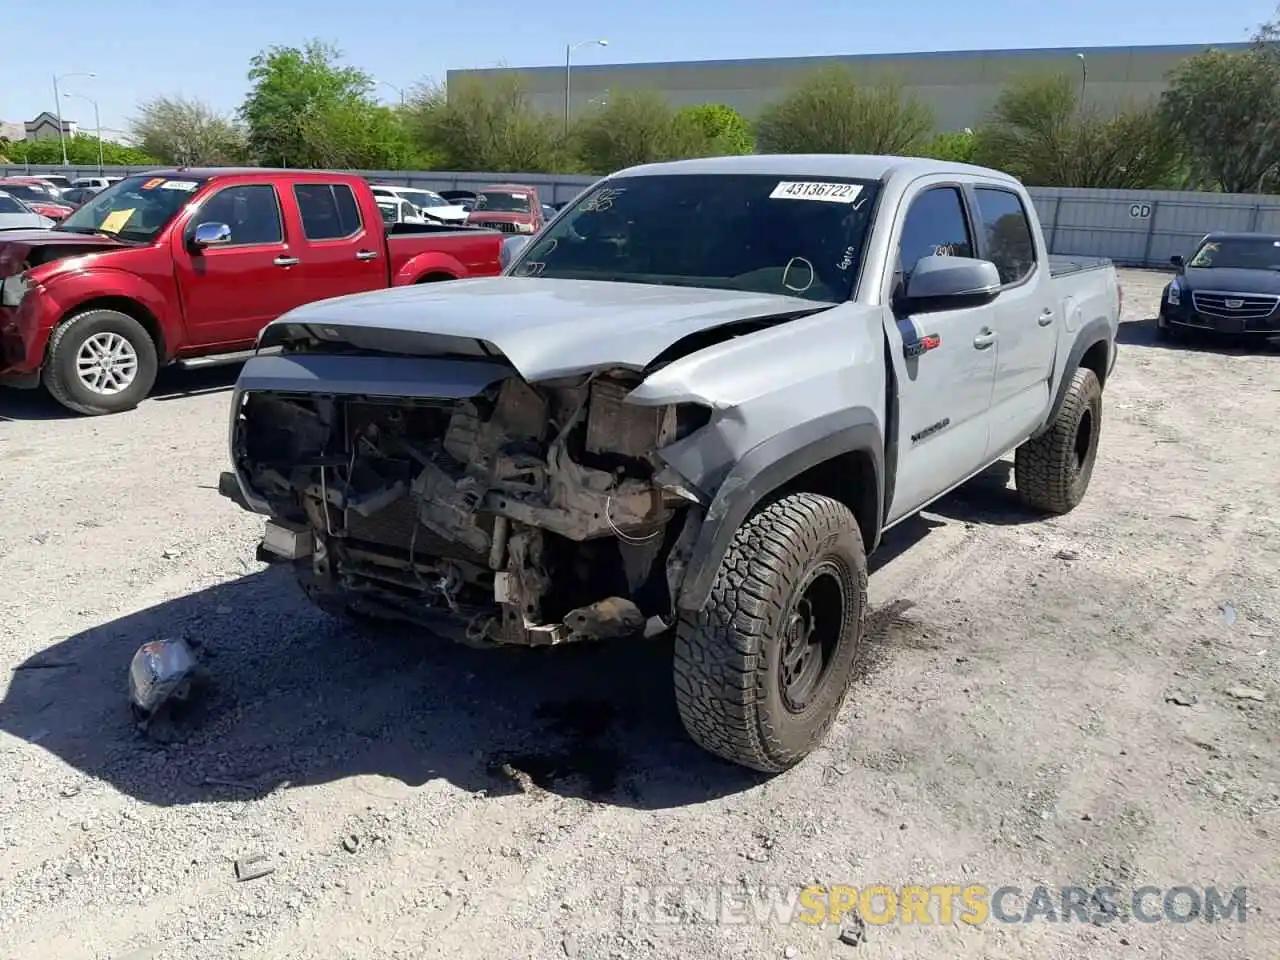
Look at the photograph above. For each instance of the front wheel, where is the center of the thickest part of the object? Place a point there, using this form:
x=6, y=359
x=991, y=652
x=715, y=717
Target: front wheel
x=762, y=670
x=100, y=361
x=1052, y=471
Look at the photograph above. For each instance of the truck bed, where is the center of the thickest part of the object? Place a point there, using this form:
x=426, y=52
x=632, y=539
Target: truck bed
x=411, y=229
x=1064, y=265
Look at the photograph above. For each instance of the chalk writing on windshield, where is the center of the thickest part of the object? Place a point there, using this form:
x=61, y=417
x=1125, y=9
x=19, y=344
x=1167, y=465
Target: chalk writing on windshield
x=602, y=201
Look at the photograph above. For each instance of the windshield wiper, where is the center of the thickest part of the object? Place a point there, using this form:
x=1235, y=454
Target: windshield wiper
x=84, y=231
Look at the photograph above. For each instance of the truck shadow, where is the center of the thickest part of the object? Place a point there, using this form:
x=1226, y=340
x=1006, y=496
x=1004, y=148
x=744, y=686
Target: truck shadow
x=988, y=499
x=1143, y=333
x=295, y=698
x=172, y=384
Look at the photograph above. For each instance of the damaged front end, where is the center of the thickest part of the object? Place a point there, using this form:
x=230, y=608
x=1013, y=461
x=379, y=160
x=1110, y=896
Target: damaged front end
x=483, y=507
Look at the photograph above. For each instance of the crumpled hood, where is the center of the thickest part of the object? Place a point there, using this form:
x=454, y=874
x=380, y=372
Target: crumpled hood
x=17, y=247
x=1228, y=280
x=446, y=213
x=546, y=328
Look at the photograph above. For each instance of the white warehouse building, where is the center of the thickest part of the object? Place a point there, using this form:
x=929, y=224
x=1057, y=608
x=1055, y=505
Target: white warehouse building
x=960, y=86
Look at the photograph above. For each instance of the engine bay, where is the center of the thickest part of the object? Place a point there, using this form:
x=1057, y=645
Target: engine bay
x=525, y=515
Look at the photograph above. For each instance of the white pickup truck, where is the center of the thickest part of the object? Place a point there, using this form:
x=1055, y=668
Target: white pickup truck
x=694, y=402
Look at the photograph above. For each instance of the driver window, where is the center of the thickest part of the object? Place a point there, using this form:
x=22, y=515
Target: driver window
x=251, y=211
x=936, y=225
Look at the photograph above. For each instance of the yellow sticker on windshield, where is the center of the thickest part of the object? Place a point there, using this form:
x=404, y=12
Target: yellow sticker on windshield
x=116, y=220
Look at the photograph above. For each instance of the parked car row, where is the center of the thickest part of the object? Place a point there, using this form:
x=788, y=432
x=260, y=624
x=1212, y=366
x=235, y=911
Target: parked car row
x=511, y=208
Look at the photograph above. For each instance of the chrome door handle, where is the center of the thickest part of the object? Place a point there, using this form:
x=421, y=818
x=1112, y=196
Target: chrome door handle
x=366, y=255
x=1046, y=318
x=985, y=339
x=286, y=261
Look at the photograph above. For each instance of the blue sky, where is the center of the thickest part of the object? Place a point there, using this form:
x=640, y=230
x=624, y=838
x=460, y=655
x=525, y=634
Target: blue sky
x=140, y=49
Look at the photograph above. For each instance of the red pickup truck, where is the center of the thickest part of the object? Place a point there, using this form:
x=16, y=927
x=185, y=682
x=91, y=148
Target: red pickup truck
x=509, y=207
x=186, y=266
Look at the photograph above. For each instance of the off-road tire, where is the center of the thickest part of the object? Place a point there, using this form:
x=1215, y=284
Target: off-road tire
x=65, y=386
x=727, y=655
x=1052, y=471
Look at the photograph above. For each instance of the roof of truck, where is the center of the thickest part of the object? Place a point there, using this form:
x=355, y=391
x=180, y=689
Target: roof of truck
x=1241, y=235
x=210, y=172
x=856, y=166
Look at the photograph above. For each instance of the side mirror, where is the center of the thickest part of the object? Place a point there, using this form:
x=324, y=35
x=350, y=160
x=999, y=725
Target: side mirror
x=211, y=235
x=942, y=283
x=1178, y=261
x=511, y=247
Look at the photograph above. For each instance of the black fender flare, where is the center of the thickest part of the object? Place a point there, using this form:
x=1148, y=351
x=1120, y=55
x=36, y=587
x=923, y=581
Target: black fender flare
x=768, y=466
x=1097, y=330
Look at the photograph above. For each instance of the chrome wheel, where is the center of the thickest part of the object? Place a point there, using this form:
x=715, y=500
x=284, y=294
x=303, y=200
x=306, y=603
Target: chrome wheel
x=107, y=363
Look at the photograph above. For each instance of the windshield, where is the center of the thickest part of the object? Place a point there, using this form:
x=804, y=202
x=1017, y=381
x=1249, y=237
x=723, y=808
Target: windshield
x=502, y=201
x=136, y=208
x=421, y=198
x=9, y=205
x=731, y=232
x=1242, y=253
x=30, y=192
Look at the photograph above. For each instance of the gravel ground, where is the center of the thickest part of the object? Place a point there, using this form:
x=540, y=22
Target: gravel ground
x=1090, y=700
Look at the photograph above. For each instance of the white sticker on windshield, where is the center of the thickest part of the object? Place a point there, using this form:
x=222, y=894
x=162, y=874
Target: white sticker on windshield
x=186, y=186
x=812, y=190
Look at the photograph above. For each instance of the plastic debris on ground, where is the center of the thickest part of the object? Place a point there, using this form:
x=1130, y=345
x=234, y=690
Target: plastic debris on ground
x=161, y=672
x=1228, y=611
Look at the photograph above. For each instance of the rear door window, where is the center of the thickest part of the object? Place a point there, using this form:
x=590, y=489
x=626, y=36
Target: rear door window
x=329, y=210
x=1006, y=234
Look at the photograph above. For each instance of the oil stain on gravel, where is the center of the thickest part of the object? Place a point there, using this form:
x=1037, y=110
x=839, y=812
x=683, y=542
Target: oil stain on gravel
x=582, y=752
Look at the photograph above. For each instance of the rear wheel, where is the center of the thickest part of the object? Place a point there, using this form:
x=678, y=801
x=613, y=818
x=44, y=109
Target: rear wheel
x=762, y=670
x=100, y=361
x=1052, y=471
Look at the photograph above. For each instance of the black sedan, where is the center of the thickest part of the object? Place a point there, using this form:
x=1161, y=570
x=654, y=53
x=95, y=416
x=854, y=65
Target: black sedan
x=1230, y=285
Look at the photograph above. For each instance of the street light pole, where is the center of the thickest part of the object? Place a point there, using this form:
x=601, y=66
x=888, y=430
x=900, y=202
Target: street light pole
x=97, y=123
x=1084, y=77
x=568, y=66
x=57, y=105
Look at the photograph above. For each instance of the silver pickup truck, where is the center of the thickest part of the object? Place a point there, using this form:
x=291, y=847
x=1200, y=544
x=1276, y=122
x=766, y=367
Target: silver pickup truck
x=694, y=402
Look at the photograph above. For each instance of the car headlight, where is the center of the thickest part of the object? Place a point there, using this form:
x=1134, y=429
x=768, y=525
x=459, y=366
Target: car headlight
x=13, y=289
x=524, y=227
x=1174, y=297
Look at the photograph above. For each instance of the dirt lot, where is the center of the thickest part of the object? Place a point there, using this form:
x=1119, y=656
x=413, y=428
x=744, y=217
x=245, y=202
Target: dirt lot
x=1085, y=701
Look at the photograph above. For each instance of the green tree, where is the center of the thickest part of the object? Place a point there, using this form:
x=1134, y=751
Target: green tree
x=1039, y=132
x=725, y=130
x=484, y=125
x=357, y=136
x=82, y=150
x=1224, y=109
x=292, y=91
x=180, y=131
x=956, y=147
x=633, y=127
x=830, y=112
